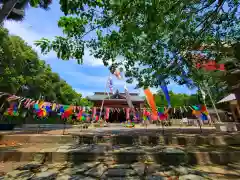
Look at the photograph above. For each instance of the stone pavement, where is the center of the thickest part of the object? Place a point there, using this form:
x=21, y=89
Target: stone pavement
x=76, y=129
x=112, y=171
x=138, y=129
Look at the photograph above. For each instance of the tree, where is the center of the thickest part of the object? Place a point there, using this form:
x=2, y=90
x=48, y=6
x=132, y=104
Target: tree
x=14, y=9
x=177, y=99
x=24, y=74
x=154, y=37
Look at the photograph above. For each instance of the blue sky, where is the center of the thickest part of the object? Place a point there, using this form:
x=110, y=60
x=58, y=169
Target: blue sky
x=85, y=79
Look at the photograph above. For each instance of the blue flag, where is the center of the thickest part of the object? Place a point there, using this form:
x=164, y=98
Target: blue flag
x=165, y=91
x=164, y=88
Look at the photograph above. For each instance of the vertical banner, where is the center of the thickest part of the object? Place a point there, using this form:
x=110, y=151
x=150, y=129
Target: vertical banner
x=165, y=91
x=128, y=98
x=151, y=102
x=94, y=112
x=164, y=88
x=107, y=113
x=110, y=84
x=127, y=113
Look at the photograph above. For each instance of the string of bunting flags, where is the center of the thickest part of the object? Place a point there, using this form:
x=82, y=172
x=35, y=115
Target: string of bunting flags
x=43, y=109
x=28, y=103
x=176, y=108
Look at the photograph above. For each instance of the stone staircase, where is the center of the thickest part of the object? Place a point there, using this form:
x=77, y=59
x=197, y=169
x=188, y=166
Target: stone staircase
x=168, y=149
x=114, y=156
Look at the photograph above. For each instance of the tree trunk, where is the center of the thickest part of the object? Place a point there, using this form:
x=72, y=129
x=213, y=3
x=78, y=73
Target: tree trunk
x=6, y=9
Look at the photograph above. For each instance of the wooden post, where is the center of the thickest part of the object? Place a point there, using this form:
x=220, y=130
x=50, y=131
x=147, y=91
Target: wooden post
x=209, y=117
x=199, y=123
x=64, y=125
x=209, y=93
x=104, y=98
x=162, y=126
x=38, y=129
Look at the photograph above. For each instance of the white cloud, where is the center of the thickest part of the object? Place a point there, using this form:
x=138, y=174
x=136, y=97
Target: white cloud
x=84, y=92
x=23, y=30
x=90, y=60
x=91, y=80
x=27, y=32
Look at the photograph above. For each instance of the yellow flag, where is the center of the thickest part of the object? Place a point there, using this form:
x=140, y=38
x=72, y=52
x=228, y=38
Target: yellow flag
x=53, y=107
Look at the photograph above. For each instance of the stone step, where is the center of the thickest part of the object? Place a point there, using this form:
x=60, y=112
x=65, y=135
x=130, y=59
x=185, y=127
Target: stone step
x=233, y=139
x=113, y=171
x=125, y=154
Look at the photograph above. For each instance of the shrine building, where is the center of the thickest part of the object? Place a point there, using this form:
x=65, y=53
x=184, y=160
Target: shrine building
x=117, y=103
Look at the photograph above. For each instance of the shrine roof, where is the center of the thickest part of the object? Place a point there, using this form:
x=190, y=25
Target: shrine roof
x=99, y=96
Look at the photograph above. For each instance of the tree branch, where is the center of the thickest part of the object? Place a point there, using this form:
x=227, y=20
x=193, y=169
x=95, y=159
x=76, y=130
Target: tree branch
x=106, y=20
x=6, y=9
x=220, y=4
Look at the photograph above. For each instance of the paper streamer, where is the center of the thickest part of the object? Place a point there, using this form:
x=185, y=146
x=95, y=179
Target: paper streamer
x=107, y=113
x=128, y=97
x=53, y=106
x=151, y=102
x=2, y=94
x=185, y=108
x=20, y=102
x=127, y=113
x=28, y=104
x=12, y=98
x=191, y=108
x=164, y=88
x=94, y=112
x=181, y=110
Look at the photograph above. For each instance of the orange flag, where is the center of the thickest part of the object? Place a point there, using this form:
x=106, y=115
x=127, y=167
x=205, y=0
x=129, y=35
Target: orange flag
x=151, y=102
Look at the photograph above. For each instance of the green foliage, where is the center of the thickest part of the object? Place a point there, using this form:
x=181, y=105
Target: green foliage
x=153, y=37
x=181, y=99
x=20, y=67
x=176, y=99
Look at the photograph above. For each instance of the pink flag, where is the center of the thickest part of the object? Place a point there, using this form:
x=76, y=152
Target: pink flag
x=107, y=113
x=94, y=112
x=127, y=113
